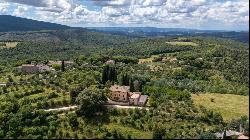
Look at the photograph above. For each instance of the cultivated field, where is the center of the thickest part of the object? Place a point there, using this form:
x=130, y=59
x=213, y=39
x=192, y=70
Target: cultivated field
x=39, y=97
x=181, y=43
x=8, y=44
x=148, y=60
x=230, y=106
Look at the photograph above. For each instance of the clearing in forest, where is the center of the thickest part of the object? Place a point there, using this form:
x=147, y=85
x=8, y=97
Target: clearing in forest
x=230, y=106
x=182, y=43
x=8, y=44
x=148, y=60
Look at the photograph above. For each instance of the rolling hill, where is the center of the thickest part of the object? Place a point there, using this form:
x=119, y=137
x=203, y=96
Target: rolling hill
x=154, y=32
x=10, y=23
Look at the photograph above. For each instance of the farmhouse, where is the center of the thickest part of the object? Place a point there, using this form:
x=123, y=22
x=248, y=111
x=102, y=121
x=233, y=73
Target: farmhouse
x=119, y=93
x=28, y=68
x=230, y=134
x=32, y=68
x=44, y=68
x=123, y=94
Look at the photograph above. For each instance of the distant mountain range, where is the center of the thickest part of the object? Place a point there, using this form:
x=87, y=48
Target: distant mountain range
x=11, y=23
x=141, y=29
x=242, y=36
x=153, y=29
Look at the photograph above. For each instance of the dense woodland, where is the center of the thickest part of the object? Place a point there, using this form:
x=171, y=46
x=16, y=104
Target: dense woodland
x=212, y=66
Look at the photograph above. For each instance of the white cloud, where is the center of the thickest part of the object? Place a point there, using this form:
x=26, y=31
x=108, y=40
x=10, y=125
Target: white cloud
x=59, y=5
x=36, y=3
x=198, y=2
x=166, y=13
x=153, y=2
x=113, y=12
x=3, y=7
x=143, y=11
x=20, y=11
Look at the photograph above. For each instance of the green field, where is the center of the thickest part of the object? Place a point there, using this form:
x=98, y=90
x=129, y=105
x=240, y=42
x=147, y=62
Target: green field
x=148, y=60
x=8, y=44
x=181, y=43
x=230, y=106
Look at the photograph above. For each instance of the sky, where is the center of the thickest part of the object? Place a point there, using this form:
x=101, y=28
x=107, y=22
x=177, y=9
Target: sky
x=195, y=14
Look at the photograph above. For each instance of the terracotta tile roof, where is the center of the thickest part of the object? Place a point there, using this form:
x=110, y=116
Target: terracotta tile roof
x=228, y=133
x=143, y=98
x=135, y=96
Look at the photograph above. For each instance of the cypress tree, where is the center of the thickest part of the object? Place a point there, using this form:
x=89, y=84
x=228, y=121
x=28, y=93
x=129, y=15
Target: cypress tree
x=63, y=66
x=126, y=80
x=105, y=74
x=111, y=74
x=131, y=84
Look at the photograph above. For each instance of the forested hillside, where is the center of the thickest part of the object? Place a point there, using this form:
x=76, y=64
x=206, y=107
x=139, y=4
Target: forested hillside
x=11, y=23
x=242, y=36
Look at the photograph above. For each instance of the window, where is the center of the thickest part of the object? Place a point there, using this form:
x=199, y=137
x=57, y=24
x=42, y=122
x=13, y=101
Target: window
x=122, y=95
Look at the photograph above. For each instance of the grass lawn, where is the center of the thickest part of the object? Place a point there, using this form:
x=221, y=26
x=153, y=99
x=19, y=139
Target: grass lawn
x=9, y=44
x=180, y=43
x=230, y=106
x=148, y=60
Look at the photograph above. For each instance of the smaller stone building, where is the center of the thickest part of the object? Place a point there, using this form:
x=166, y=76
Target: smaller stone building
x=28, y=68
x=134, y=98
x=143, y=100
x=31, y=68
x=229, y=134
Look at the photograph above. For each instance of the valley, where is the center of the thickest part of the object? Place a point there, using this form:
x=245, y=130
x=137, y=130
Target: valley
x=179, y=78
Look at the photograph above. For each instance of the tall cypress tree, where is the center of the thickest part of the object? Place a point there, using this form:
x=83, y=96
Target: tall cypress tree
x=126, y=80
x=109, y=73
x=105, y=74
x=131, y=84
x=115, y=75
x=63, y=66
x=123, y=79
